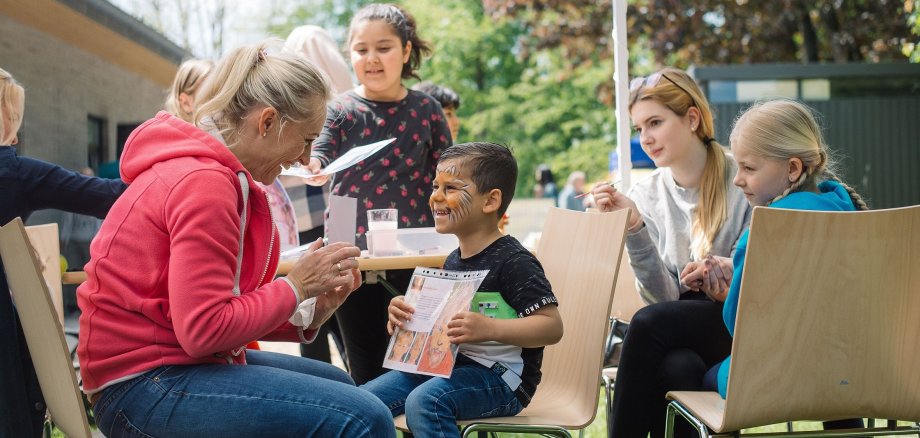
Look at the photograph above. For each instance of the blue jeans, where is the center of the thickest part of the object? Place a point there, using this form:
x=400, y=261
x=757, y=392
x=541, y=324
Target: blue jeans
x=274, y=395
x=434, y=404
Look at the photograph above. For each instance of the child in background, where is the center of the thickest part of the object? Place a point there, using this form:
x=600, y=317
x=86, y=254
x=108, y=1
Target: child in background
x=182, y=104
x=449, y=100
x=181, y=99
x=385, y=50
x=450, y=103
x=498, y=366
x=782, y=163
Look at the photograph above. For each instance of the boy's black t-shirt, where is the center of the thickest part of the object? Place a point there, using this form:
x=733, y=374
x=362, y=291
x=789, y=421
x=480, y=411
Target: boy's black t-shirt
x=519, y=277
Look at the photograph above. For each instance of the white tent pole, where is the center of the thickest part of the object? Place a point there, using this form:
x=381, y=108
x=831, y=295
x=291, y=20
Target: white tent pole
x=621, y=89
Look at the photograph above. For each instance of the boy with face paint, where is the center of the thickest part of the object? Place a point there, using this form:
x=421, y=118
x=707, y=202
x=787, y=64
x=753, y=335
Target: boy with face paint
x=498, y=366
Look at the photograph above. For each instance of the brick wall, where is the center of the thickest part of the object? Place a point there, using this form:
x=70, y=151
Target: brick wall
x=63, y=86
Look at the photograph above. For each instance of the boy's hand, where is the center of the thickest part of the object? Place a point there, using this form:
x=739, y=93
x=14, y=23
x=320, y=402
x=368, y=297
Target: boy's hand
x=467, y=327
x=400, y=312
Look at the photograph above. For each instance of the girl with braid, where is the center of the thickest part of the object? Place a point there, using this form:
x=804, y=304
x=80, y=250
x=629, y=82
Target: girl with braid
x=782, y=163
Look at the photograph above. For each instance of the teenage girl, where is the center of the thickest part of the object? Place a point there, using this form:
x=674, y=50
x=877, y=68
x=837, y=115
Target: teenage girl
x=385, y=49
x=689, y=215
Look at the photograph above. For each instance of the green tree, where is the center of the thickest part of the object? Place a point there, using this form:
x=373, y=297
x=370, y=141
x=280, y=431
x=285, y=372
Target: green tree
x=723, y=32
x=531, y=100
x=912, y=48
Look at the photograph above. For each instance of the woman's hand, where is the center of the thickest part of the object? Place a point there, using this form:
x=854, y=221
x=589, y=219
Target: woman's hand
x=329, y=302
x=608, y=198
x=399, y=312
x=468, y=327
x=323, y=269
x=692, y=275
x=315, y=166
x=712, y=275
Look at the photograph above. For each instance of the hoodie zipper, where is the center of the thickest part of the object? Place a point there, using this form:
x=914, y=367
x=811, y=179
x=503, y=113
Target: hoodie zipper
x=271, y=241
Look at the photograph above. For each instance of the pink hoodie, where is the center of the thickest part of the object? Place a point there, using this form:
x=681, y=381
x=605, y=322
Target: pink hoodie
x=159, y=288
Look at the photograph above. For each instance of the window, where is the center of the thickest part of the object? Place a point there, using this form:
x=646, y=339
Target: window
x=96, y=151
x=123, y=131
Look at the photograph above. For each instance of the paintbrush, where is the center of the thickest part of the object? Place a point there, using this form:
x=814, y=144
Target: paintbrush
x=611, y=184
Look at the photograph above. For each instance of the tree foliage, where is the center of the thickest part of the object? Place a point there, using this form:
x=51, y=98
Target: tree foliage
x=912, y=48
x=681, y=33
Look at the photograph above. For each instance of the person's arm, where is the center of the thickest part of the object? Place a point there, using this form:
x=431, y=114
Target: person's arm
x=203, y=227
x=525, y=288
x=655, y=281
x=539, y=329
x=328, y=145
x=47, y=185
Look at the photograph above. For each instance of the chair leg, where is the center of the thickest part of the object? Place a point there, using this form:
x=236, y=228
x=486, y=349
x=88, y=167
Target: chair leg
x=608, y=398
x=675, y=408
x=553, y=431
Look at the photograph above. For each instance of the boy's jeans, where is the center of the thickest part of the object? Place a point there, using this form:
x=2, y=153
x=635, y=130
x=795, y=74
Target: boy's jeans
x=274, y=395
x=434, y=404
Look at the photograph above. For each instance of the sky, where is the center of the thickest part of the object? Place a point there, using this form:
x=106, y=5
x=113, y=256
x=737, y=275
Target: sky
x=245, y=21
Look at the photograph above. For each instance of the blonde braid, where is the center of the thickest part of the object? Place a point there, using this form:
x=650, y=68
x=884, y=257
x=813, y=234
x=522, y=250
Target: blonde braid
x=855, y=197
x=793, y=188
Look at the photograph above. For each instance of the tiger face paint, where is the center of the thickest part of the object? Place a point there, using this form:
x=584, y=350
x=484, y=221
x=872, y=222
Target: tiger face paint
x=451, y=200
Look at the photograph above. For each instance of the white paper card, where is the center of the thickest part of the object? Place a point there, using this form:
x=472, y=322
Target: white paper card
x=343, y=219
x=348, y=159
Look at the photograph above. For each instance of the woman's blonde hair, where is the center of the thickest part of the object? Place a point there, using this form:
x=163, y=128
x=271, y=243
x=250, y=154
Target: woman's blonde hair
x=191, y=75
x=249, y=77
x=8, y=88
x=676, y=90
x=783, y=129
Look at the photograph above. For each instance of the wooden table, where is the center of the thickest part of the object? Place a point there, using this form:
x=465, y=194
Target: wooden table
x=365, y=263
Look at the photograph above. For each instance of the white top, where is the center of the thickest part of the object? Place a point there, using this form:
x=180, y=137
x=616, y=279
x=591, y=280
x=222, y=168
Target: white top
x=660, y=250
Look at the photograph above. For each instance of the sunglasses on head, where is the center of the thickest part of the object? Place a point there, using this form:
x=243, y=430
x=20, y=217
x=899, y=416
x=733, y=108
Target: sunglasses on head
x=652, y=80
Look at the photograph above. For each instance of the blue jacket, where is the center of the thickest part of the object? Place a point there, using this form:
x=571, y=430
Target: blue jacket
x=833, y=197
x=27, y=185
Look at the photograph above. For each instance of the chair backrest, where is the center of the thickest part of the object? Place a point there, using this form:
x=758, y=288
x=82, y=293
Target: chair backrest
x=828, y=322
x=43, y=331
x=47, y=244
x=580, y=253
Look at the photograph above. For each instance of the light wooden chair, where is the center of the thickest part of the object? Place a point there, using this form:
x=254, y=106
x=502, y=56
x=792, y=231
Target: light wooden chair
x=580, y=253
x=47, y=244
x=827, y=325
x=626, y=302
x=43, y=331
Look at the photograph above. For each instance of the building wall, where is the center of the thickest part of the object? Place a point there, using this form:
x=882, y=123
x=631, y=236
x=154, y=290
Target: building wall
x=64, y=85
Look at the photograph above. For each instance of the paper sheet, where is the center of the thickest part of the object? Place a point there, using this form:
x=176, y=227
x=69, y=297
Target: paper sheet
x=343, y=220
x=348, y=159
x=421, y=346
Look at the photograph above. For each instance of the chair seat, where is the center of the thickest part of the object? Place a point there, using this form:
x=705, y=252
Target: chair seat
x=709, y=406
x=535, y=414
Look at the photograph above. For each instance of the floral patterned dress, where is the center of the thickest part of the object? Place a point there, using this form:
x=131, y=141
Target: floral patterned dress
x=400, y=175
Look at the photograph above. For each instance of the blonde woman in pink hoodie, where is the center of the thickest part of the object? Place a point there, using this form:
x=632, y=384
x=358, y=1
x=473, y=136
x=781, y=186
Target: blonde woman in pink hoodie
x=181, y=275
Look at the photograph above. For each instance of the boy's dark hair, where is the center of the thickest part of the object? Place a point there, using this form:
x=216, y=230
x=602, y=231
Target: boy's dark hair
x=491, y=166
x=445, y=96
x=403, y=25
